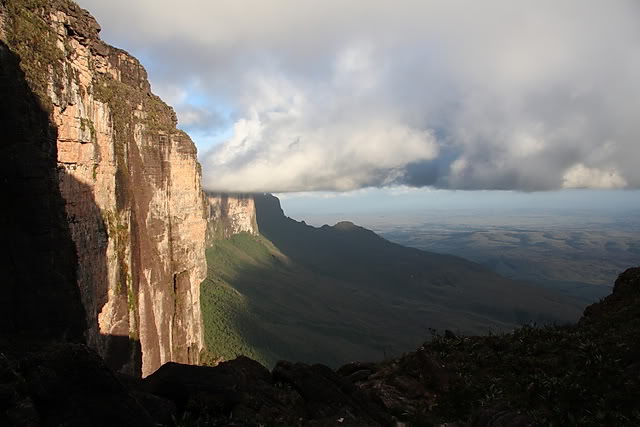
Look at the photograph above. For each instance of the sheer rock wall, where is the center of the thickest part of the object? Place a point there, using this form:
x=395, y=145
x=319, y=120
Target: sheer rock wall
x=131, y=184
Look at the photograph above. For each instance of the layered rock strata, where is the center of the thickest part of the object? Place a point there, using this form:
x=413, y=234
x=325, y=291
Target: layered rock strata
x=230, y=214
x=131, y=185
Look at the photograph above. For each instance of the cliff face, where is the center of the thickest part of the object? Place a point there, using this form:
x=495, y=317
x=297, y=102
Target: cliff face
x=231, y=214
x=131, y=185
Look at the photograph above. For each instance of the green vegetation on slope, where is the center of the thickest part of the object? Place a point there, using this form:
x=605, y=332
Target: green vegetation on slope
x=585, y=374
x=230, y=328
x=29, y=35
x=341, y=293
x=222, y=307
x=259, y=303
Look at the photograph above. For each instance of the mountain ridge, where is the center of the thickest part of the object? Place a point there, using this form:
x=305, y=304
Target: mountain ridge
x=338, y=293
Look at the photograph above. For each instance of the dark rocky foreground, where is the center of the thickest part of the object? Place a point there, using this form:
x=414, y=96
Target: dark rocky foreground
x=584, y=374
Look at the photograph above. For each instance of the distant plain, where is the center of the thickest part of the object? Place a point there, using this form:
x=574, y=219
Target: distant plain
x=577, y=252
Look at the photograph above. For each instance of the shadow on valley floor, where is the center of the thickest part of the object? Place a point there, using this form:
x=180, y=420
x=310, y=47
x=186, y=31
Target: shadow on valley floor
x=342, y=293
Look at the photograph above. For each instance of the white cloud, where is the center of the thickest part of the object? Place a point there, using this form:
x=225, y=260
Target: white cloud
x=580, y=176
x=309, y=138
x=338, y=95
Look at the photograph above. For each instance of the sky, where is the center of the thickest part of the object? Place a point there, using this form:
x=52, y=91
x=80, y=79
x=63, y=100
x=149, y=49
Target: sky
x=373, y=207
x=495, y=99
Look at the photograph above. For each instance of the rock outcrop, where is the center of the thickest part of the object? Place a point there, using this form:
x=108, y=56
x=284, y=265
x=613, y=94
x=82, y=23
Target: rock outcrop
x=231, y=214
x=131, y=185
x=65, y=384
x=584, y=374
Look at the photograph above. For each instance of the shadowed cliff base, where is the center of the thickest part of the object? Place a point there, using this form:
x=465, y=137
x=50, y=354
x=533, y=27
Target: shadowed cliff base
x=40, y=299
x=45, y=382
x=112, y=340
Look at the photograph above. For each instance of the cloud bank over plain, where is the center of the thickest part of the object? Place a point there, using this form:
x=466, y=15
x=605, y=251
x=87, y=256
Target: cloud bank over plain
x=334, y=95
